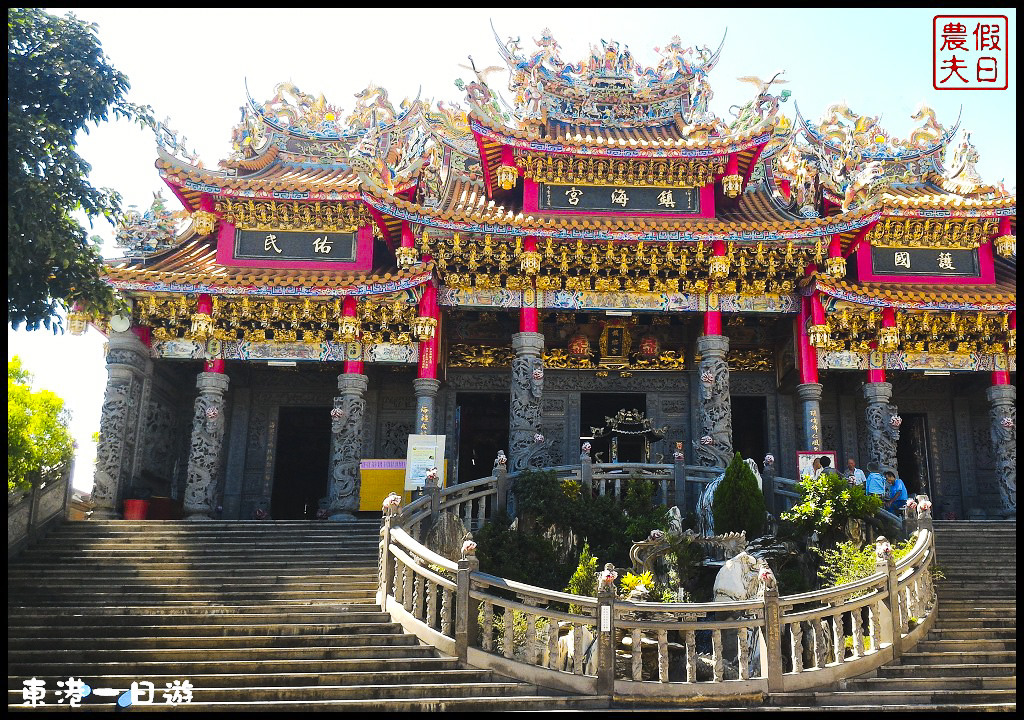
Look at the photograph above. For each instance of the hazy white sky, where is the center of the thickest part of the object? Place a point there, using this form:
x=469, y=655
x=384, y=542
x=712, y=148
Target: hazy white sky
x=193, y=65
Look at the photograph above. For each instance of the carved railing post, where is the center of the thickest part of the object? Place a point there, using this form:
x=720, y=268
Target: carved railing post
x=893, y=625
x=882, y=424
x=768, y=484
x=426, y=398
x=527, y=388
x=387, y=562
x=207, y=445
x=771, y=651
x=1003, y=430
x=432, y=489
x=586, y=471
x=128, y=366
x=810, y=398
x=606, y=640
x=714, y=447
x=467, y=625
x=501, y=484
x=346, y=446
x=679, y=479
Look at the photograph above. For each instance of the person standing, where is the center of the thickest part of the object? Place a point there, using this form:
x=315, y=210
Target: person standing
x=874, y=483
x=854, y=474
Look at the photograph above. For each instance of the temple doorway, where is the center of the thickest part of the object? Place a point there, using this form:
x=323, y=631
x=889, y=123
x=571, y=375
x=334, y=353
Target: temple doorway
x=595, y=408
x=482, y=430
x=750, y=427
x=912, y=455
x=302, y=462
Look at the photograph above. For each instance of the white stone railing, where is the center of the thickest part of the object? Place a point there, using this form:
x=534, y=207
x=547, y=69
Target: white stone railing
x=615, y=647
x=31, y=514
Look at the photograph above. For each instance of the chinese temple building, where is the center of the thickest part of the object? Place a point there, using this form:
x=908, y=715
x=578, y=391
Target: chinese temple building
x=513, y=274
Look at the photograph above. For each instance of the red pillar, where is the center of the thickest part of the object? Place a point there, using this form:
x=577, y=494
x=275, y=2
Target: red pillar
x=428, y=348
x=350, y=308
x=205, y=307
x=807, y=352
x=1002, y=377
x=713, y=318
x=528, y=315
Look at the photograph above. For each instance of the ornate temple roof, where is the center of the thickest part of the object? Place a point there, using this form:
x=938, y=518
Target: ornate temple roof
x=432, y=167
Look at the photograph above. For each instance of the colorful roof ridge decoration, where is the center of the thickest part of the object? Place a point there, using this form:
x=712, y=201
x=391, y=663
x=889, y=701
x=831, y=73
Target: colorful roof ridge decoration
x=609, y=87
x=917, y=296
x=151, y=232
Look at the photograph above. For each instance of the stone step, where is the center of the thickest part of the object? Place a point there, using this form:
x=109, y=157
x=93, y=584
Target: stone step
x=185, y=668
x=930, y=645
x=973, y=634
x=917, y=657
x=213, y=642
x=931, y=683
x=99, y=633
x=417, y=687
x=305, y=612
x=387, y=646
x=211, y=586
x=172, y=603
x=524, y=703
x=255, y=567
x=190, y=596
x=966, y=619
x=891, y=707
x=950, y=670
x=901, y=696
x=391, y=671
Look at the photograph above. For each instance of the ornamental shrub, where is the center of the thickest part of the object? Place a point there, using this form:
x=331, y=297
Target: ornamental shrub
x=584, y=580
x=827, y=504
x=848, y=563
x=738, y=503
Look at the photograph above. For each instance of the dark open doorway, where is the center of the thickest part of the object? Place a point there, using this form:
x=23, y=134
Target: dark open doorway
x=750, y=427
x=912, y=454
x=301, y=465
x=595, y=408
x=482, y=432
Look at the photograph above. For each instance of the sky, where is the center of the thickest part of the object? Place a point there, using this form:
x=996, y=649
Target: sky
x=193, y=67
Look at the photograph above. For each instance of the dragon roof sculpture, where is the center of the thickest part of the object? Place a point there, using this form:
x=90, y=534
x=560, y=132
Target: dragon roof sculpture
x=608, y=87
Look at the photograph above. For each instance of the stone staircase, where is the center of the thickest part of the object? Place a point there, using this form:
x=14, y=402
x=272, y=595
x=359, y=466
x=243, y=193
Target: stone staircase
x=968, y=662
x=255, y=615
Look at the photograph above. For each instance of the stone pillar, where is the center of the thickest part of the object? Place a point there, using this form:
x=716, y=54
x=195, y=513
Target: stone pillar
x=714, y=447
x=810, y=399
x=128, y=369
x=1003, y=415
x=346, y=446
x=207, y=445
x=527, y=388
x=882, y=424
x=426, y=396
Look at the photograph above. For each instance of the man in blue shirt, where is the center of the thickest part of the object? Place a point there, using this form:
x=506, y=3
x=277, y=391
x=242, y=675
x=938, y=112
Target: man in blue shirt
x=896, y=492
x=875, y=484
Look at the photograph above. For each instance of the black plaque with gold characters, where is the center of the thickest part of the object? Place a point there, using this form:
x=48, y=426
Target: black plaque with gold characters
x=925, y=261
x=610, y=198
x=320, y=246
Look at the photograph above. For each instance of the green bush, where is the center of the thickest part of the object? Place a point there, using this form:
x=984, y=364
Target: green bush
x=827, y=503
x=739, y=503
x=584, y=580
x=848, y=563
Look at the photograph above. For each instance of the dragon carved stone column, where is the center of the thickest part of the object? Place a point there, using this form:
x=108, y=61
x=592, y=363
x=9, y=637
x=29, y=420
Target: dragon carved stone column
x=527, y=388
x=128, y=368
x=1003, y=414
x=882, y=424
x=208, y=424
x=714, y=448
x=346, y=446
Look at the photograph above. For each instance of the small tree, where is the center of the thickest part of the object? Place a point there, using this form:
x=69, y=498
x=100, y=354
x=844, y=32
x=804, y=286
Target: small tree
x=738, y=503
x=828, y=503
x=38, y=441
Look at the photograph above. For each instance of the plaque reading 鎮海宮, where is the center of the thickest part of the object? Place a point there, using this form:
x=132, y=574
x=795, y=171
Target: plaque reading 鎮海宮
x=283, y=245
x=625, y=198
x=925, y=261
